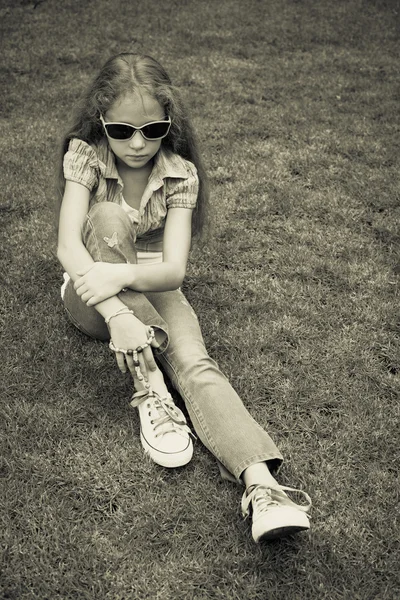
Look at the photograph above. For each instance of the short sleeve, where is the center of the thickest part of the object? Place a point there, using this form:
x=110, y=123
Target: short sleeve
x=182, y=193
x=81, y=164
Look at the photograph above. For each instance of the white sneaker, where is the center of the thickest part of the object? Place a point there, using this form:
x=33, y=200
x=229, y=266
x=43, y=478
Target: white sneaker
x=273, y=513
x=164, y=433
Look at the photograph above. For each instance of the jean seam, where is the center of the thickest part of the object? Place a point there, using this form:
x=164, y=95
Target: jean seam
x=186, y=396
x=93, y=232
x=244, y=463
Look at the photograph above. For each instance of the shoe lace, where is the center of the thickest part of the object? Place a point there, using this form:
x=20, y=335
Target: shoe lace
x=169, y=419
x=261, y=497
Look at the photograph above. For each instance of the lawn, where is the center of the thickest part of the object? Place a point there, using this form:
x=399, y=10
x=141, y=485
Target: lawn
x=296, y=107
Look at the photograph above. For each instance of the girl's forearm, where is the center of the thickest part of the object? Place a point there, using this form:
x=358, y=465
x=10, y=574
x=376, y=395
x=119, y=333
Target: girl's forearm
x=161, y=277
x=73, y=259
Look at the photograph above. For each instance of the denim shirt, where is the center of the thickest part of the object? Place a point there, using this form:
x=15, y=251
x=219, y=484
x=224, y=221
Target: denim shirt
x=173, y=183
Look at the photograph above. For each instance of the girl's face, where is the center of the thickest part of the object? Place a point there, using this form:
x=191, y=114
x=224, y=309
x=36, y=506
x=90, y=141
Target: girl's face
x=136, y=110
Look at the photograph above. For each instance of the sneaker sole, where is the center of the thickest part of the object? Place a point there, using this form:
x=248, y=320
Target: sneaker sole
x=280, y=532
x=281, y=524
x=164, y=459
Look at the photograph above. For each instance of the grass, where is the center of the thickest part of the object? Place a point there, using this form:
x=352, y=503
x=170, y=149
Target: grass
x=296, y=107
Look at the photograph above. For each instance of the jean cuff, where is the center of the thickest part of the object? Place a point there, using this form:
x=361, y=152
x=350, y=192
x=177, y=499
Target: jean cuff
x=161, y=337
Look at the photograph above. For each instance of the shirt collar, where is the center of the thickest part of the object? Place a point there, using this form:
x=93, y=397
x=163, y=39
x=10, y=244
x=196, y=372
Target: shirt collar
x=166, y=164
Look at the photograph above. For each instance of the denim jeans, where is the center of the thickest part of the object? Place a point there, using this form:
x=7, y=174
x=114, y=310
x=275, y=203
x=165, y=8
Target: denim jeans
x=218, y=415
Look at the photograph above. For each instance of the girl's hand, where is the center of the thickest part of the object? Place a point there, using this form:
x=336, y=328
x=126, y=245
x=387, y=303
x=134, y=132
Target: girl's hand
x=100, y=281
x=127, y=333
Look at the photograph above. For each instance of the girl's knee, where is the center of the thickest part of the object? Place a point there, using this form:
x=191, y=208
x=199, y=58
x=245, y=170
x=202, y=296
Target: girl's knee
x=107, y=213
x=109, y=222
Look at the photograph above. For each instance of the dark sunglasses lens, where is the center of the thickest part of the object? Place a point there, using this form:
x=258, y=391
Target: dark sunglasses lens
x=119, y=131
x=155, y=131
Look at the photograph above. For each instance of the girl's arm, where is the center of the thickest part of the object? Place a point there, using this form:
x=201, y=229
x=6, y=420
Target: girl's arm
x=126, y=330
x=99, y=278
x=71, y=251
x=169, y=274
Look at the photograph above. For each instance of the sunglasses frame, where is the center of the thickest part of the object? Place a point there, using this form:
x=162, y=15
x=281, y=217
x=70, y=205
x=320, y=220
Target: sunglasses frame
x=136, y=129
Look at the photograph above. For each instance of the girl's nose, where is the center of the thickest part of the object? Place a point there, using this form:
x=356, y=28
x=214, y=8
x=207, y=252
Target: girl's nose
x=137, y=142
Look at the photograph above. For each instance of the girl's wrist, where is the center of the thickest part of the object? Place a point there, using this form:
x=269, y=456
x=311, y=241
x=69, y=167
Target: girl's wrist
x=122, y=311
x=128, y=276
x=123, y=275
x=107, y=307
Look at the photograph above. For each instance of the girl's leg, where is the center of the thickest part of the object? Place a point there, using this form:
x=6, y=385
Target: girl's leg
x=219, y=417
x=241, y=446
x=109, y=237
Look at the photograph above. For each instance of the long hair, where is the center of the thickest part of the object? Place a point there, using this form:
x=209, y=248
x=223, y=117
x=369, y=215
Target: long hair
x=124, y=74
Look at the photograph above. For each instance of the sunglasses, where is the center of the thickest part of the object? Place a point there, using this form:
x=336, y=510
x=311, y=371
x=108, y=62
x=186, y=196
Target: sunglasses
x=156, y=130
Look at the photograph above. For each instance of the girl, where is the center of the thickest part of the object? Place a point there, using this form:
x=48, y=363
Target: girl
x=133, y=192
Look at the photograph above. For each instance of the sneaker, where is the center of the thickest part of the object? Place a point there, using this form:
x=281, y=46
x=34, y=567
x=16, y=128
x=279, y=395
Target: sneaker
x=164, y=433
x=274, y=515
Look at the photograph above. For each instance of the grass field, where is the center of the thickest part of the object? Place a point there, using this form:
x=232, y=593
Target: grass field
x=296, y=106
